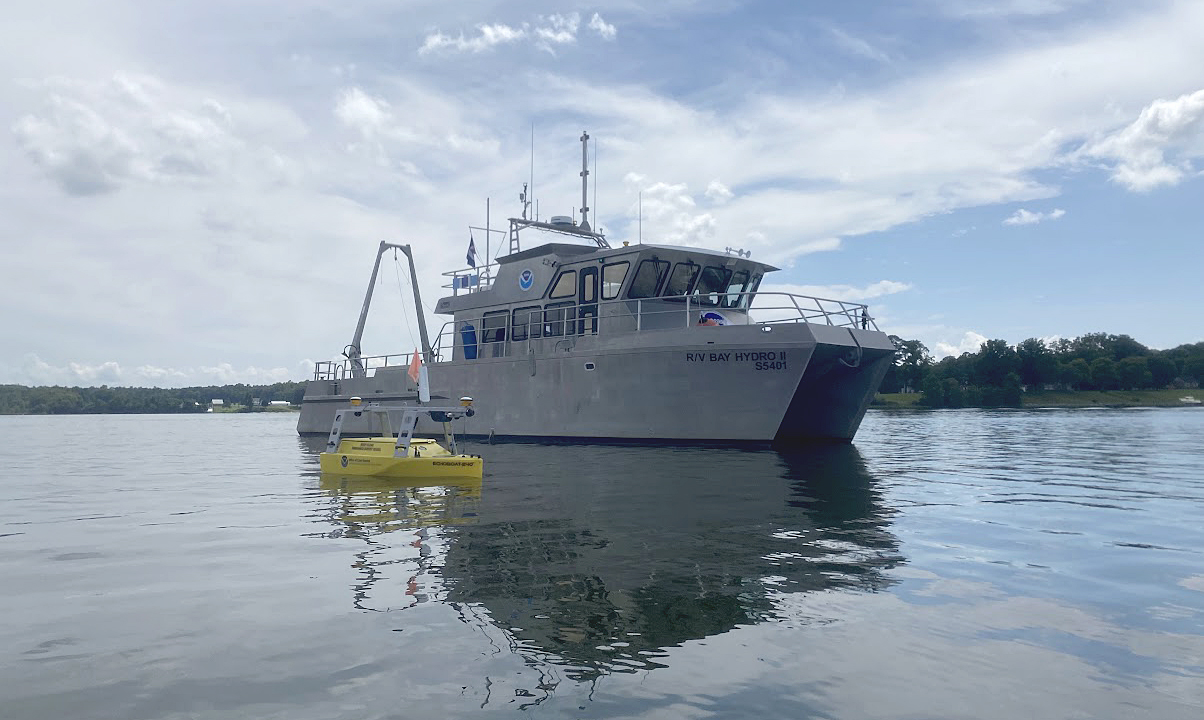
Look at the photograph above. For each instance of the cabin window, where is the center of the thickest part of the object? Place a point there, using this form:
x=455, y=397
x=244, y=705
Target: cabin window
x=557, y=316
x=565, y=286
x=681, y=281
x=711, y=284
x=752, y=288
x=648, y=278
x=738, y=285
x=527, y=319
x=493, y=326
x=589, y=285
x=613, y=276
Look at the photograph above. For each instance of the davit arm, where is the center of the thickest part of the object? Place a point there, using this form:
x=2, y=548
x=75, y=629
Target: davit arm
x=353, y=350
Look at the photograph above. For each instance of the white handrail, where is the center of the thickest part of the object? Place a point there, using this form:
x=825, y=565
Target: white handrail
x=843, y=314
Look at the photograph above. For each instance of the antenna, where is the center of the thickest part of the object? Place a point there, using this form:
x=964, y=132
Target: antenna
x=532, y=171
x=584, y=180
x=596, y=184
x=641, y=216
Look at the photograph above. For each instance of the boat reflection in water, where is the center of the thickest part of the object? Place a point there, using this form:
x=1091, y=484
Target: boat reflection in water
x=596, y=559
x=368, y=507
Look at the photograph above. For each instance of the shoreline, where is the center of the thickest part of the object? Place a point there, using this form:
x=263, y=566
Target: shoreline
x=1064, y=399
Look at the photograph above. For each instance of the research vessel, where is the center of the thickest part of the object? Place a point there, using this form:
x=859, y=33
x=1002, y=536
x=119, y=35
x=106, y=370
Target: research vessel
x=573, y=339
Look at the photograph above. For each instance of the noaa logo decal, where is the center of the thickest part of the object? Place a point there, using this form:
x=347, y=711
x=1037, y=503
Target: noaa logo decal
x=343, y=461
x=712, y=318
x=526, y=279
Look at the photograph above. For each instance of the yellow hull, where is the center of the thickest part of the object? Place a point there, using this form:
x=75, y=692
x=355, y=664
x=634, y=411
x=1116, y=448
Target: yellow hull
x=373, y=457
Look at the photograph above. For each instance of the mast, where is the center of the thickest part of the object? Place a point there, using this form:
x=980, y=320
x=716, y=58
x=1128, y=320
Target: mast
x=352, y=351
x=426, y=343
x=584, y=180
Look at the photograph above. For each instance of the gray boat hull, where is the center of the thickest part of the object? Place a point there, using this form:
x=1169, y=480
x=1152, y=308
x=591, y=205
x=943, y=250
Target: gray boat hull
x=785, y=383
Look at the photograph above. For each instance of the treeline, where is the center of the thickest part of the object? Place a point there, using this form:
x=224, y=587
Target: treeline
x=998, y=375
x=21, y=400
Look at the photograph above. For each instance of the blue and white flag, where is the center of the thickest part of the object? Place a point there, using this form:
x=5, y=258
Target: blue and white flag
x=472, y=252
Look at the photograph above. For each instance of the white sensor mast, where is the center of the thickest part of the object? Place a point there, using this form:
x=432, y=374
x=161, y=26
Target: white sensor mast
x=585, y=181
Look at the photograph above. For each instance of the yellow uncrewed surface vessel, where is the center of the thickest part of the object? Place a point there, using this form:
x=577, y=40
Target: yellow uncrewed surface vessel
x=404, y=456
x=375, y=456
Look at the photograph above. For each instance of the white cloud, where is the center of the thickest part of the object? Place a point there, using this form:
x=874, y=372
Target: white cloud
x=847, y=293
x=558, y=29
x=969, y=343
x=35, y=371
x=392, y=138
x=603, y=28
x=717, y=192
x=545, y=32
x=213, y=211
x=488, y=36
x=227, y=374
x=668, y=212
x=96, y=137
x=987, y=9
x=1028, y=217
x=1139, y=150
x=359, y=110
x=858, y=46
x=158, y=376
x=769, y=306
x=973, y=133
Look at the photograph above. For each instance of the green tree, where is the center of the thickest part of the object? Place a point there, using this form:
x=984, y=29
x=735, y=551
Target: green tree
x=933, y=390
x=1104, y=375
x=1091, y=346
x=1134, y=372
x=1012, y=394
x=1193, y=369
x=1075, y=374
x=1038, y=366
x=952, y=391
x=914, y=362
x=57, y=401
x=995, y=360
x=1123, y=346
x=1162, y=370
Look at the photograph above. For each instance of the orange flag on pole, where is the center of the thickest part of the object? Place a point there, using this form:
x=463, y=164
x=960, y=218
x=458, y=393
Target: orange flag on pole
x=415, y=366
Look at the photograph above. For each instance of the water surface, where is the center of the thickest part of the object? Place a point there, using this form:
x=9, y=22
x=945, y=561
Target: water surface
x=949, y=564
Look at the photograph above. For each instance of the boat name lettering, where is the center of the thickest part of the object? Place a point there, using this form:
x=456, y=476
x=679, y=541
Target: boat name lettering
x=770, y=356
x=453, y=463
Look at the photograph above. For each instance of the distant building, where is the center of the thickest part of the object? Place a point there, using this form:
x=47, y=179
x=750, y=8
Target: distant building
x=217, y=402
x=279, y=403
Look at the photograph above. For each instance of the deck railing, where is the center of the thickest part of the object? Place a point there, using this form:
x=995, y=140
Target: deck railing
x=342, y=369
x=564, y=322
x=471, y=279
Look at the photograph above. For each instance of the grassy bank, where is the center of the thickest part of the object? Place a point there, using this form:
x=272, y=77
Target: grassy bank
x=897, y=400
x=262, y=408
x=1069, y=398
x=1108, y=398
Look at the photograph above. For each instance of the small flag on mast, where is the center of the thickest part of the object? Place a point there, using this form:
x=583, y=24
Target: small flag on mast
x=472, y=251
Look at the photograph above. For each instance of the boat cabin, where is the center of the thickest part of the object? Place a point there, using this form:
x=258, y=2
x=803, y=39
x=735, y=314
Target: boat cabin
x=555, y=291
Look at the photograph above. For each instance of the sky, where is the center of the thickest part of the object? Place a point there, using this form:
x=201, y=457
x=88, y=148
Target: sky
x=194, y=191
